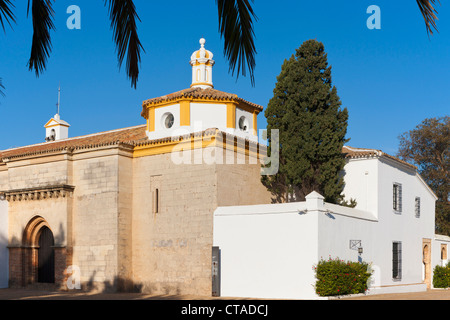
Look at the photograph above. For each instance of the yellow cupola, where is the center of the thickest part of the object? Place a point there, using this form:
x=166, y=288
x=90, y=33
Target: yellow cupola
x=202, y=63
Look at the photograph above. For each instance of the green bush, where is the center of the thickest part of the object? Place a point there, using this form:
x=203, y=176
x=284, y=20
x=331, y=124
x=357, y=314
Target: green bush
x=441, y=277
x=337, y=277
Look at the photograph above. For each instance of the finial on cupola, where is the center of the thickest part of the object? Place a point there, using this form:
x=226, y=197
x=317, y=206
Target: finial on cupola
x=202, y=63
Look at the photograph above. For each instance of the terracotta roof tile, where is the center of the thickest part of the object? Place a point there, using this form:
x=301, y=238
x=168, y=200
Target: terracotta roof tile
x=198, y=93
x=353, y=153
x=130, y=135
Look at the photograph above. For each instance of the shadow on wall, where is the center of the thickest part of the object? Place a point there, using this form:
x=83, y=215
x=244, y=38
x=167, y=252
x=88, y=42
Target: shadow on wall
x=120, y=285
x=3, y=261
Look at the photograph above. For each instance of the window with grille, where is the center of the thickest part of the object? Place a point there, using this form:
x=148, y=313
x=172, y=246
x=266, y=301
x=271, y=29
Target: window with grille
x=397, y=260
x=397, y=197
x=417, y=207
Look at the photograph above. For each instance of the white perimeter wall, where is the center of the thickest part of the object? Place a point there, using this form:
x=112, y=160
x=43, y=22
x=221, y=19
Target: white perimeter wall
x=3, y=244
x=266, y=251
x=436, y=250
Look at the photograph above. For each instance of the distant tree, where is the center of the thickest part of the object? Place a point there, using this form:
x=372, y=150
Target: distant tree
x=306, y=110
x=428, y=147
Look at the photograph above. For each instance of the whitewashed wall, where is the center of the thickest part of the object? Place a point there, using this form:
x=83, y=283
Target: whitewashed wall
x=361, y=176
x=203, y=116
x=370, y=182
x=436, y=250
x=3, y=244
x=267, y=251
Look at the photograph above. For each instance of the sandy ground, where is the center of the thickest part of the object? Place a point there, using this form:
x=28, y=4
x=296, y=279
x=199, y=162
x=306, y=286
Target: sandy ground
x=24, y=294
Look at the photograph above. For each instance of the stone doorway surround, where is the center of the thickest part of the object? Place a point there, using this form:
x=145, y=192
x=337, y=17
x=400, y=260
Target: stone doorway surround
x=23, y=256
x=426, y=250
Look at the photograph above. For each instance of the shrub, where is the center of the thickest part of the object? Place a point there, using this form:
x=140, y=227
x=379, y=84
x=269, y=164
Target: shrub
x=338, y=278
x=441, y=277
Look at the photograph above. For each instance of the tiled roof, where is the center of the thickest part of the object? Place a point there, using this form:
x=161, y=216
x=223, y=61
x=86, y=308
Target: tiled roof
x=198, y=93
x=130, y=136
x=136, y=136
x=353, y=153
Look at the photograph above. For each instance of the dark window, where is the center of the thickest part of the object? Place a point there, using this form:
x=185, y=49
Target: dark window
x=156, y=200
x=397, y=261
x=397, y=197
x=417, y=207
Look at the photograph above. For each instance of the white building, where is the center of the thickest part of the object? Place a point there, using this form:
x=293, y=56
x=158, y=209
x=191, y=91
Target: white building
x=269, y=251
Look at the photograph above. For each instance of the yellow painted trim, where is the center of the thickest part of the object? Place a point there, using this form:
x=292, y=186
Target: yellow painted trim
x=57, y=125
x=231, y=115
x=47, y=125
x=202, y=84
x=255, y=124
x=190, y=100
x=185, y=113
x=50, y=121
x=208, y=64
x=240, y=105
x=151, y=119
x=169, y=146
x=193, y=143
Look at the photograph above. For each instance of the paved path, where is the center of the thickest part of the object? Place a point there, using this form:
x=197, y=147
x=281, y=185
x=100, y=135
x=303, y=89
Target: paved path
x=428, y=295
x=23, y=294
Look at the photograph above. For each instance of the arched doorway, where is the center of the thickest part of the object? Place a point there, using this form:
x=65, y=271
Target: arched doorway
x=46, y=256
x=38, y=252
x=426, y=251
x=444, y=258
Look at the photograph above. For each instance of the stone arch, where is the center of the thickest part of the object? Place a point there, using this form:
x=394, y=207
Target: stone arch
x=426, y=251
x=444, y=257
x=30, y=246
x=32, y=231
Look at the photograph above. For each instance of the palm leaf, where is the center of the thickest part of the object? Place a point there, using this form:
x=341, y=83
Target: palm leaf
x=6, y=13
x=123, y=18
x=42, y=15
x=429, y=14
x=236, y=27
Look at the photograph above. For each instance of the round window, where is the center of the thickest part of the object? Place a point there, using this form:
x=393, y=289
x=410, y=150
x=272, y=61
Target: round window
x=168, y=120
x=243, y=124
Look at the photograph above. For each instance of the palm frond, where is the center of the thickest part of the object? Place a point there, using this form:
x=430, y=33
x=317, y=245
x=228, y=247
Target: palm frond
x=123, y=18
x=428, y=10
x=236, y=28
x=42, y=14
x=6, y=13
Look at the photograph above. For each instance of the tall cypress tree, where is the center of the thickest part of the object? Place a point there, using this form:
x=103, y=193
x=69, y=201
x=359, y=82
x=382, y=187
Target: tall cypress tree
x=307, y=112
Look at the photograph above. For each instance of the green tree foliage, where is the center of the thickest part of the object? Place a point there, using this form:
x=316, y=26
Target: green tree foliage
x=428, y=147
x=441, y=277
x=337, y=278
x=306, y=110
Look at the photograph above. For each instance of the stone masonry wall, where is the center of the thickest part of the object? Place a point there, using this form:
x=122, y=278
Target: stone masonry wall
x=172, y=248
x=95, y=219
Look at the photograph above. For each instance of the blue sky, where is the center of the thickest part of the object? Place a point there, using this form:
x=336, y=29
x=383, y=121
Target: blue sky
x=389, y=79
